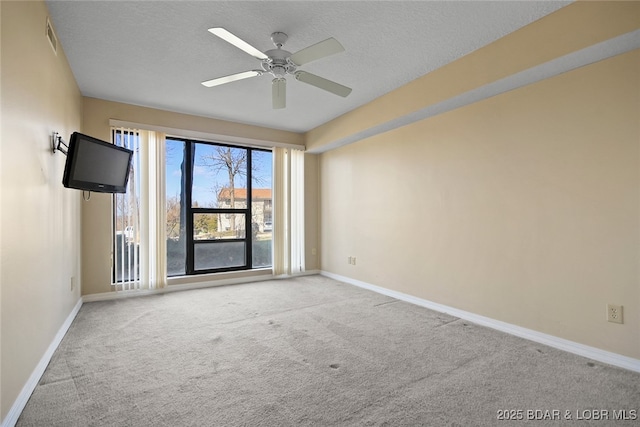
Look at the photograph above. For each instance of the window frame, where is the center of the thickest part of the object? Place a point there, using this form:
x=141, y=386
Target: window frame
x=191, y=211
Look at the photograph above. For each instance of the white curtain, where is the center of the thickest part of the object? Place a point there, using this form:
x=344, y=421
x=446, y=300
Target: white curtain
x=288, y=200
x=140, y=254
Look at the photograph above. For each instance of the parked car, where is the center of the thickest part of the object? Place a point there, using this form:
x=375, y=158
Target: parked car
x=268, y=226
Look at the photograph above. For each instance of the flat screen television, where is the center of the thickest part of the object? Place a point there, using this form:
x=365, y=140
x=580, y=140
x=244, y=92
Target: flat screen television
x=95, y=165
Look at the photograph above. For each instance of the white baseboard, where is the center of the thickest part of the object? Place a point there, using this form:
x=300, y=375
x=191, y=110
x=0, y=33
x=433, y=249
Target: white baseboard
x=105, y=296
x=529, y=334
x=22, y=399
x=309, y=273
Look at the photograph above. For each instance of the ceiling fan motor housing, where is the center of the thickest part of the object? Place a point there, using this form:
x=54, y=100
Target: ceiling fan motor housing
x=278, y=63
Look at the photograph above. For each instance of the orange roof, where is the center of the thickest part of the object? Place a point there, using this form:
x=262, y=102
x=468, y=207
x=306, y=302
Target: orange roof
x=241, y=193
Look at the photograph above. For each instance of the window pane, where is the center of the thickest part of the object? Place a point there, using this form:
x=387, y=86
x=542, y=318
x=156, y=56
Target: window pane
x=176, y=207
x=219, y=177
x=261, y=208
x=208, y=256
x=126, y=216
x=210, y=226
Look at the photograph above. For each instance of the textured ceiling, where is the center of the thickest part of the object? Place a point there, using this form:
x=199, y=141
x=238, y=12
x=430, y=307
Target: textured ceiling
x=155, y=54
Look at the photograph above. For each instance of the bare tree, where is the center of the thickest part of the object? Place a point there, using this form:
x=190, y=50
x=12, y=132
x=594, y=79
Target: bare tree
x=233, y=161
x=173, y=217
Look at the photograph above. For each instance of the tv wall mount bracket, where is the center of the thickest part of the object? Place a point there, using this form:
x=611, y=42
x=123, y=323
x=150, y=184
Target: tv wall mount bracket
x=57, y=144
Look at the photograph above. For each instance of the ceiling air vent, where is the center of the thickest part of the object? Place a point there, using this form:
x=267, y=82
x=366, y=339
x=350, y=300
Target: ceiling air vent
x=52, y=37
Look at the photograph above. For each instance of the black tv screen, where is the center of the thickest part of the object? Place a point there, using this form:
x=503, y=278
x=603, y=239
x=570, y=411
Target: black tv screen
x=95, y=165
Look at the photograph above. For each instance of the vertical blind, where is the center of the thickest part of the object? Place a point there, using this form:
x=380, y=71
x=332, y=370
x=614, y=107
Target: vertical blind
x=139, y=251
x=297, y=211
x=288, y=227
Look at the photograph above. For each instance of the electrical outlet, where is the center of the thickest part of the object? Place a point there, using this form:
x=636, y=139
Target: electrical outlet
x=73, y=283
x=614, y=313
x=353, y=260
x=349, y=260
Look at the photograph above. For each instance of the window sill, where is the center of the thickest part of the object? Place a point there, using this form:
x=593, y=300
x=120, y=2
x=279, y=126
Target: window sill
x=219, y=279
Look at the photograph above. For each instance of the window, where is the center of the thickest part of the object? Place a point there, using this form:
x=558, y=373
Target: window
x=196, y=207
x=219, y=215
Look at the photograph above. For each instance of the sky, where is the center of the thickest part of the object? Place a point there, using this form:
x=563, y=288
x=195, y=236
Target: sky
x=206, y=179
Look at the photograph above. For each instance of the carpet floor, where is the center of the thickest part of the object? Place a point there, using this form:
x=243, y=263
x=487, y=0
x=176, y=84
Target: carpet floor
x=311, y=351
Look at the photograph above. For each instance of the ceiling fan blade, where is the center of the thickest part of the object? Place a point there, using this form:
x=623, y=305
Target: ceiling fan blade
x=279, y=93
x=327, y=47
x=232, y=78
x=322, y=83
x=237, y=42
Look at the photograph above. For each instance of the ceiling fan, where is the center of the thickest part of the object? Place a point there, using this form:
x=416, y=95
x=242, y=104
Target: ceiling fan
x=278, y=62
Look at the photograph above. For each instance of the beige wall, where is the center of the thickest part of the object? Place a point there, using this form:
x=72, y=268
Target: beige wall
x=312, y=211
x=40, y=246
x=96, y=214
x=524, y=207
